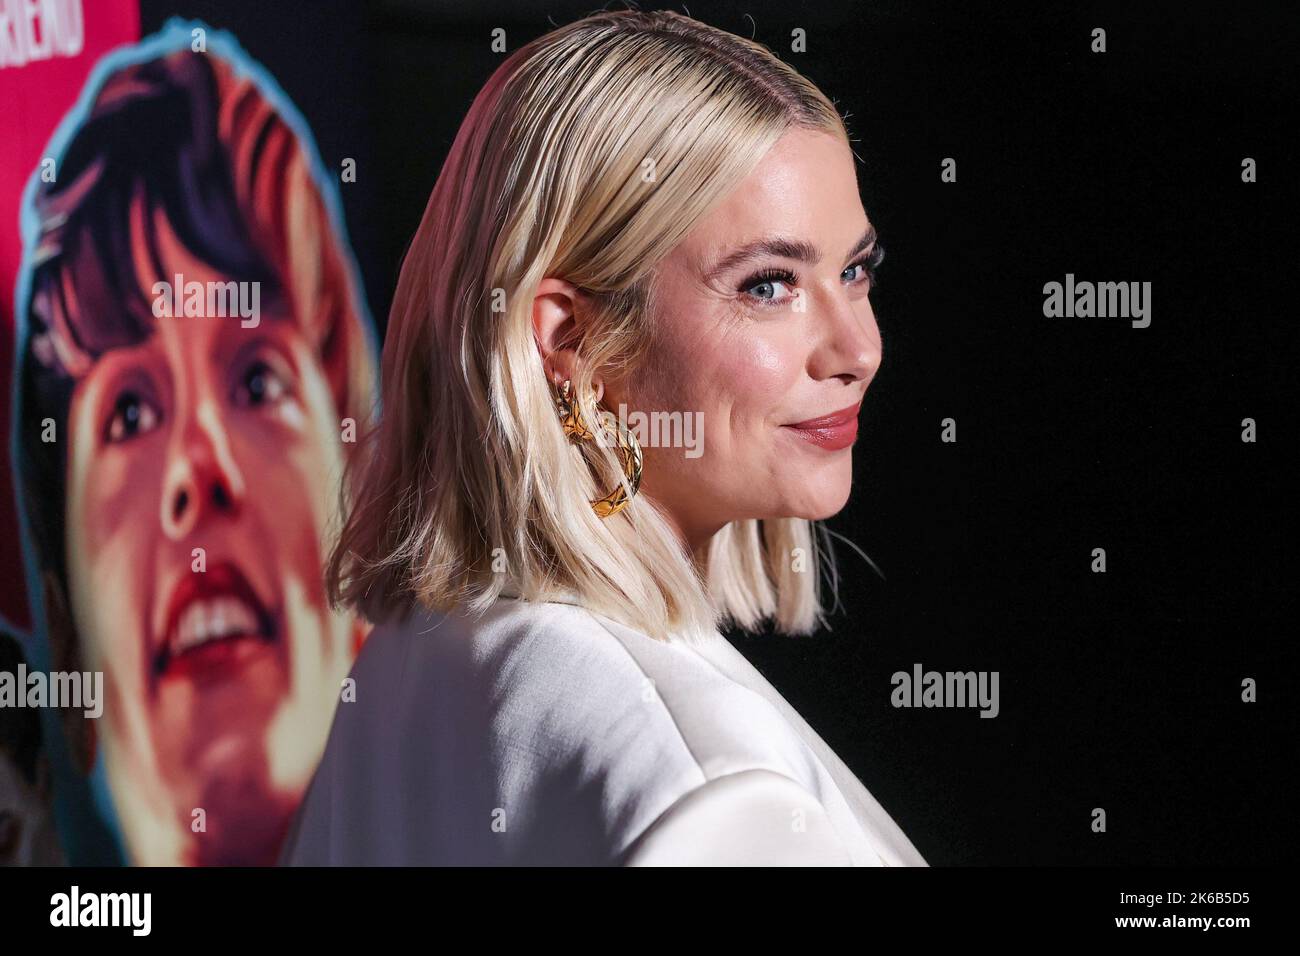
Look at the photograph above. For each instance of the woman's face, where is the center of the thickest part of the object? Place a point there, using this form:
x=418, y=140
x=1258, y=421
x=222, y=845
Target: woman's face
x=763, y=324
x=222, y=666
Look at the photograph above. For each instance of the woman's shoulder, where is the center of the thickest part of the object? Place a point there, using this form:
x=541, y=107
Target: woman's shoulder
x=555, y=676
x=577, y=728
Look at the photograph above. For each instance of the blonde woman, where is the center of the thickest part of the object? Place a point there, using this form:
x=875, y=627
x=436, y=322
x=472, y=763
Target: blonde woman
x=646, y=218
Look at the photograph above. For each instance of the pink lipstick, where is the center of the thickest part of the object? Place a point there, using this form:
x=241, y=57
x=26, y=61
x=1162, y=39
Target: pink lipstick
x=833, y=432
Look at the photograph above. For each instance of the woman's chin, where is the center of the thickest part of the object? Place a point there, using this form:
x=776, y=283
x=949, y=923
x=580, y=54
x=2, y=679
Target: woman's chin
x=809, y=511
x=823, y=500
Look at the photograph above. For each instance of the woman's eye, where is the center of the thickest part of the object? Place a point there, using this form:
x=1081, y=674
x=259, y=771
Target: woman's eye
x=769, y=288
x=864, y=271
x=132, y=416
x=865, y=268
x=259, y=385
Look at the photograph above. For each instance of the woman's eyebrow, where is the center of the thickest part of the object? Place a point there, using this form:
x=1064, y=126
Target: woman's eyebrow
x=797, y=249
x=868, y=239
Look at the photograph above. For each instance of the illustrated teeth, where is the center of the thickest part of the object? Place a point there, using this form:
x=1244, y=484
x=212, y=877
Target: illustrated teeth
x=212, y=619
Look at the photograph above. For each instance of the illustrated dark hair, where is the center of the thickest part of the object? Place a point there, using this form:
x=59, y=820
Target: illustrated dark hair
x=189, y=138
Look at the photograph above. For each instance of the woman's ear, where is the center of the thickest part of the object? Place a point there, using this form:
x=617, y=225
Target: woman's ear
x=556, y=320
x=65, y=656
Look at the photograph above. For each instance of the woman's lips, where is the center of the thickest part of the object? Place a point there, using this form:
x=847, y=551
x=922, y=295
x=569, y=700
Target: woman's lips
x=832, y=432
x=214, y=622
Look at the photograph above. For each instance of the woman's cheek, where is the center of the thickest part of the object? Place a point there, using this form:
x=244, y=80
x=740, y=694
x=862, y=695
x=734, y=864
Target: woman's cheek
x=766, y=369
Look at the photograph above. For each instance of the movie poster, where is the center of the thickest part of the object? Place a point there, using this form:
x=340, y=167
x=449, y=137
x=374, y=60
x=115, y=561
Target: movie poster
x=188, y=363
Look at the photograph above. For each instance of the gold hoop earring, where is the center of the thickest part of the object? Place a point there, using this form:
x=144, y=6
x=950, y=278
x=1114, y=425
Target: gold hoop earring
x=628, y=448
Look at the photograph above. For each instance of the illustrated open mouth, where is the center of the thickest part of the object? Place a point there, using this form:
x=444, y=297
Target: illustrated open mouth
x=214, y=618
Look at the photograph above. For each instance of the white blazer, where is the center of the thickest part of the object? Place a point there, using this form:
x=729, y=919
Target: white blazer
x=544, y=734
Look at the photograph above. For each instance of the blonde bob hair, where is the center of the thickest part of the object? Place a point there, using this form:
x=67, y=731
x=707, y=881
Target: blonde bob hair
x=468, y=486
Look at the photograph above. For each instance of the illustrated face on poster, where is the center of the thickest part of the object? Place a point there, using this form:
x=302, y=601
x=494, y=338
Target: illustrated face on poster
x=195, y=336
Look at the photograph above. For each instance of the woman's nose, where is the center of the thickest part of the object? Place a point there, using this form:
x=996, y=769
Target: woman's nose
x=202, y=479
x=849, y=347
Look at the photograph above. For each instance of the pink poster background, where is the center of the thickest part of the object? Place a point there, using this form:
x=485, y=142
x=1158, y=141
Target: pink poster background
x=45, y=59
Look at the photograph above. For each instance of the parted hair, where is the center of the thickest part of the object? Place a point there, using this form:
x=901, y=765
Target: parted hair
x=468, y=485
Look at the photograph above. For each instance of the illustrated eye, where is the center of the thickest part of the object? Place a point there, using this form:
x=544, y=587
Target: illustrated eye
x=259, y=385
x=132, y=415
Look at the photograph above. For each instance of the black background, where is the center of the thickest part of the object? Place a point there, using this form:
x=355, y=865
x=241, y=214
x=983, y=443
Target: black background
x=1118, y=690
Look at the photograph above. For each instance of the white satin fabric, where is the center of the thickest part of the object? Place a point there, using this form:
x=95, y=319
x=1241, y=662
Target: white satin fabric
x=544, y=734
